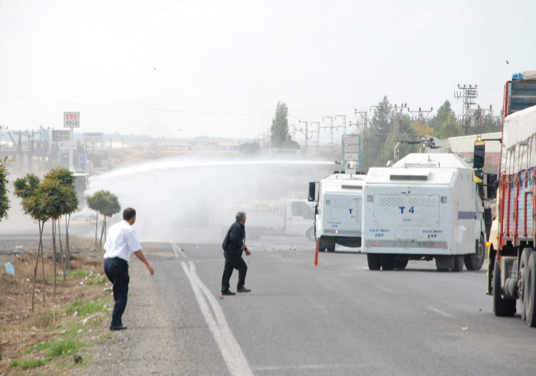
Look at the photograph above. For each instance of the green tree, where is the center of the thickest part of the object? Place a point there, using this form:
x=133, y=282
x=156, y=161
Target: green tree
x=66, y=180
x=105, y=203
x=279, y=130
x=450, y=128
x=441, y=116
x=112, y=207
x=33, y=206
x=4, y=199
x=249, y=148
x=96, y=202
x=381, y=127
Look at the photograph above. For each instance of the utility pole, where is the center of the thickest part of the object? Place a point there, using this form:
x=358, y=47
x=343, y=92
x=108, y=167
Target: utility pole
x=331, y=128
x=344, y=121
x=468, y=94
x=317, y=131
x=421, y=115
x=398, y=120
x=364, y=121
x=306, y=133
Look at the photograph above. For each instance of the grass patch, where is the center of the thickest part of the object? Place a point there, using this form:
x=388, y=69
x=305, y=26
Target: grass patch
x=99, y=281
x=64, y=348
x=83, y=308
x=38, y=347
x=31, y=363
x=57, y=348
x=79, y=274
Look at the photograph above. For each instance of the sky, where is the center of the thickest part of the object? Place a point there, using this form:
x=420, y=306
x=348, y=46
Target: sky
x=218, y=68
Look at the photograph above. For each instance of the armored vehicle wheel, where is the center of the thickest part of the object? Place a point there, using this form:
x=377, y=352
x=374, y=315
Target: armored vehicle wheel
x=443, y=263
x=475, y=261
x=523, y=281
x=388, y=262
x=373, y=261
x=401, y=263
x=458, y=263
x=501, y=307
x=531, y=291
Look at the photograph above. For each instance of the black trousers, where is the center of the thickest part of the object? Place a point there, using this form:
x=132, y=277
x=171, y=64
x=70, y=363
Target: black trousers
x=116, y=270
x=231, y=263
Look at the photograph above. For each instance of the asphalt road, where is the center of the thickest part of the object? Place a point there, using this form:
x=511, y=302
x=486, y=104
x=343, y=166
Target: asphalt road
x=335, y=319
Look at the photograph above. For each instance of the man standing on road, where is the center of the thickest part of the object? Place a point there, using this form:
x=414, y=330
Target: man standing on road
x=121, y=243
x=233, y=246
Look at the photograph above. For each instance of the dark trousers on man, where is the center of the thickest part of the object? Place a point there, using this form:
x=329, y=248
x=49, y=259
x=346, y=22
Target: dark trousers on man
x=116, y=270
x=233, y=262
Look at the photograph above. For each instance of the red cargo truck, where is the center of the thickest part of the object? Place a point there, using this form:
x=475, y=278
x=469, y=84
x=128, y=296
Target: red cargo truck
x=512, y=261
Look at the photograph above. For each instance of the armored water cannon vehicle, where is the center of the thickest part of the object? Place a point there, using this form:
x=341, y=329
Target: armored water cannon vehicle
x=338, y=209
x=426, y=206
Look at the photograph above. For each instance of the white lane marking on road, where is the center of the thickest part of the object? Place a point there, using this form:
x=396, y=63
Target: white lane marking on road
x=436, y=310
x=230, y=350
x=177, y=251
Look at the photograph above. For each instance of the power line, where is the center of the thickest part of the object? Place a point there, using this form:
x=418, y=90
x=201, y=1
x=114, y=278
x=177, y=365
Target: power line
x=166, y=104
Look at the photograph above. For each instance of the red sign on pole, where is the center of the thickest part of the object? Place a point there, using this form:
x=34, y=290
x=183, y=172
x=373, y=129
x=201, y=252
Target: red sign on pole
x=71, y=119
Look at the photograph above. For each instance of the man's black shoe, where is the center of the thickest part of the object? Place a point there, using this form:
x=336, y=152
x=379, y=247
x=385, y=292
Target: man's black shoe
x=113, y=327
x=228, y=292
x=243, y=289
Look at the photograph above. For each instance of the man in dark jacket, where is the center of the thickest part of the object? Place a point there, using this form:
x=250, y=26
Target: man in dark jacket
x=233, y=246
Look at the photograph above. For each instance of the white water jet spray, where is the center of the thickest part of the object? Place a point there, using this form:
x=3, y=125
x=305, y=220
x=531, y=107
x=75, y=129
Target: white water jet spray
x=176, y=199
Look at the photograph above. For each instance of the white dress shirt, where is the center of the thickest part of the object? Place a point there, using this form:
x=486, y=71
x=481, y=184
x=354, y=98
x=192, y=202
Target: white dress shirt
x=121, y=241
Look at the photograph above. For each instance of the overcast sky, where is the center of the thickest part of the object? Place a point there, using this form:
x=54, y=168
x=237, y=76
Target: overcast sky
x=218, y=68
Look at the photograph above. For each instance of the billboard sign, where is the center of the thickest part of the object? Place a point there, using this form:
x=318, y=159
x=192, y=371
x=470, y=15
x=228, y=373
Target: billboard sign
x=61, y=136
x=351, y=149
x=71, y=119
x=285, y=152
x=93, y=137
x=64, y=157
x=67, y=145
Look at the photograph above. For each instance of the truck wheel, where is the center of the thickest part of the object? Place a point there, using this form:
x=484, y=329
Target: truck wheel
x=388, y=262
x=443, y=263
x=501, y=307
x=401, y=263
x=310, y=234
x=458, y=263
x=373, y=261
x=523, y=282
x=475, y=261
x=322, y=245
x=331, y=247
x=531, y=291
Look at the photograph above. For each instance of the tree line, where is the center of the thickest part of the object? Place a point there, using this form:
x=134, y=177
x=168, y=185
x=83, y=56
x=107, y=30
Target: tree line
x=378, y=139
x=53, y=198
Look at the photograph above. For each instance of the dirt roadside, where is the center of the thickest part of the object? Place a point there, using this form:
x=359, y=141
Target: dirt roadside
x=68, y=334
x=149, y=345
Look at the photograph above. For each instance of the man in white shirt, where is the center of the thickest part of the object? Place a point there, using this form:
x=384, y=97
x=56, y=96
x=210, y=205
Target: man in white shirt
x=121, y=243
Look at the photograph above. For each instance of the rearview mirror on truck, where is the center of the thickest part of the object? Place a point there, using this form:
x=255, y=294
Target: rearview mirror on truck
x=478, y=176
x=491, y=186
x=479, y=154
x=312, y=191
